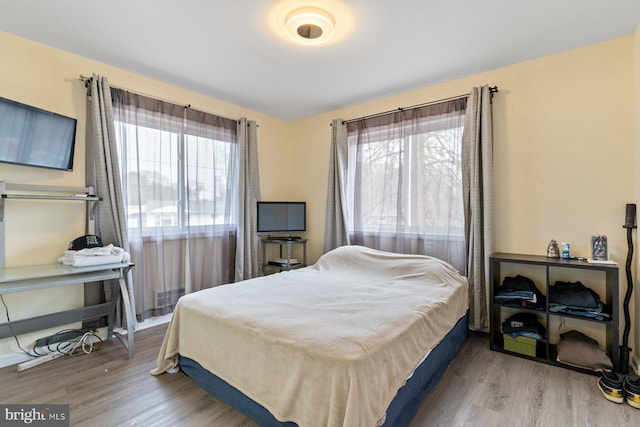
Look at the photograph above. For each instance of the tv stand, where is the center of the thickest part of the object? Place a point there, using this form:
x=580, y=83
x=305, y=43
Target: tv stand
x=285, y=261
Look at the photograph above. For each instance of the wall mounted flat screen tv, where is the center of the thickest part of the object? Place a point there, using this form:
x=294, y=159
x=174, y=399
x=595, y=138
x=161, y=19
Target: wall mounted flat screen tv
x=281, y=217
x=31, y=136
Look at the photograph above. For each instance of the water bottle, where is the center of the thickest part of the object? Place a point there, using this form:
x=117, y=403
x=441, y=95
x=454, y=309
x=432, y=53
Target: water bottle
x=565, y=250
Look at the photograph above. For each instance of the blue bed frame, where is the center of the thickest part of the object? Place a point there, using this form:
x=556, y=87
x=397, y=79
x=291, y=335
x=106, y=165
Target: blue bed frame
x=399, y=413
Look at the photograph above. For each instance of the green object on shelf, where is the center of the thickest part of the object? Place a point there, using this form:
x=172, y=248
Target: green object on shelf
x=520, y=345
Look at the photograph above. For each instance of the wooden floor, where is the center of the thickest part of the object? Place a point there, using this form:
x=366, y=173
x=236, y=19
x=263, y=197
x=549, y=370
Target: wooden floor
x=481, y=388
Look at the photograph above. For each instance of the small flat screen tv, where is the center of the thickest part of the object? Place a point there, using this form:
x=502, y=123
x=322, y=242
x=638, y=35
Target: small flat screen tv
x=31, y=136
x=281, y=217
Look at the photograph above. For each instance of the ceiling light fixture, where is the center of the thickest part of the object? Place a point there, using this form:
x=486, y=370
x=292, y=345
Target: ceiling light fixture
x=310, y=25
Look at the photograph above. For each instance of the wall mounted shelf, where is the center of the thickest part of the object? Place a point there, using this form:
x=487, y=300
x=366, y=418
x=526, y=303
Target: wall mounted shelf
x=9, y=191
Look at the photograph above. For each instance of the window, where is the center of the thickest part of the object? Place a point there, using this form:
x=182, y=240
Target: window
x=177, y=173
x=179, y=176
x=405, y=180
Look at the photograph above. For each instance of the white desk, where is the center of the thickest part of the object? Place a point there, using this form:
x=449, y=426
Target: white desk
x=22, y=279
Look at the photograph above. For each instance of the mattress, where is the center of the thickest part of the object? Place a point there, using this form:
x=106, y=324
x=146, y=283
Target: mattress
x=400, y=412
x=339, y=338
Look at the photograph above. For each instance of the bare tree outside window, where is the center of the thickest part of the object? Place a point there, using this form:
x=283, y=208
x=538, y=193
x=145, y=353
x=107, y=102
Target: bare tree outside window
x=405, y=181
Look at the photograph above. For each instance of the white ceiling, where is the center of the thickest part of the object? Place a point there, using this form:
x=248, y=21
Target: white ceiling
x=227, y=49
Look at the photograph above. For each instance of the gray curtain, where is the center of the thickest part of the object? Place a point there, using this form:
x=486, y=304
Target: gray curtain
x=477, y=175
x=335, y=220
x=103, y=172
x=247, y=243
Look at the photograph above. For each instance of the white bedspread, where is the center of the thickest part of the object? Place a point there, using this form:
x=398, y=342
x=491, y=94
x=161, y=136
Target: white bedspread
x=327, y=345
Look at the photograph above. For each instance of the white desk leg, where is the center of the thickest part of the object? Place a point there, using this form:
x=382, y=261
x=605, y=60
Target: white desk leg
x=128, y=314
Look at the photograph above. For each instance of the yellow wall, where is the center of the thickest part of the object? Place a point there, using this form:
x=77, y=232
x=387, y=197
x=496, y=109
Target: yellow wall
x=564, y=149
x=565, y=160
x=38, y=232
x=565, y=138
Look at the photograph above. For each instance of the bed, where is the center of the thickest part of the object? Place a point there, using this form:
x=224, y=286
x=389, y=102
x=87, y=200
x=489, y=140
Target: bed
x=357, y=339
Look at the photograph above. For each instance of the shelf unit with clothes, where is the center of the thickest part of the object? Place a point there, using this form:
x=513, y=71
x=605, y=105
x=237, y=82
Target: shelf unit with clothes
x=560, y=324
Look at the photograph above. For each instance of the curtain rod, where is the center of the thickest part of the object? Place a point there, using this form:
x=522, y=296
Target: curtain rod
x=87, y=80
x=492, y=90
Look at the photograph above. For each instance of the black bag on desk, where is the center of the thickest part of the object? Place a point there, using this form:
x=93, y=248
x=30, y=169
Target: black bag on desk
x=85, y=242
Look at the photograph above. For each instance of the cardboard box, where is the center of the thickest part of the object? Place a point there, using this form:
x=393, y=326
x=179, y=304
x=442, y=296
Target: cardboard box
x=520, y=345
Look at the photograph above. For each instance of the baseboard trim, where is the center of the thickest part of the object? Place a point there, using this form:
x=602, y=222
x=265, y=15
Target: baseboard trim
x=13, y=359
x=20, y=357
x=16, y=358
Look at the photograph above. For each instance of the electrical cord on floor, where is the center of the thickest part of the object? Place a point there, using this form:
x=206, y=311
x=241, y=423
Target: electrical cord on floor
x=6, y=310
x=86, y=343
x=81, y=342
x=71, y=342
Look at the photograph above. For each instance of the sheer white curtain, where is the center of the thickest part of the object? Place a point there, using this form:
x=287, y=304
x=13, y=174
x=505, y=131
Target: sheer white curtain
x=180, y=185
x=404, y=179
x=420, y=181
